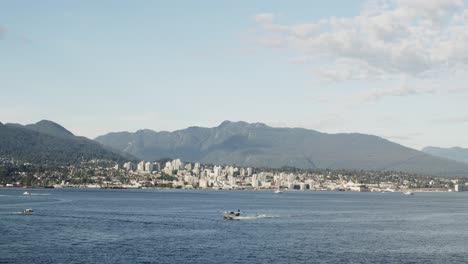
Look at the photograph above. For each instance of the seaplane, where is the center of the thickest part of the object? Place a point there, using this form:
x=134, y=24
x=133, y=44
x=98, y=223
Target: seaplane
x=232, y=215
x=27, y=211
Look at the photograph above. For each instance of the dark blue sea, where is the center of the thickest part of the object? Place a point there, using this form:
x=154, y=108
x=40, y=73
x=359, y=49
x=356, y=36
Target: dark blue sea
x=187, y=226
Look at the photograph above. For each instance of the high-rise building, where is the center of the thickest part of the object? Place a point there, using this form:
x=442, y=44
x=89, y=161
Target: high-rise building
x=148, y=167
x=176, y=164
x=129, y=166
x=141, y=166
x=254, y=181
x=217, y=171
x=230, y=171
x=156, y=166
x=242, y=172
x=168, y=166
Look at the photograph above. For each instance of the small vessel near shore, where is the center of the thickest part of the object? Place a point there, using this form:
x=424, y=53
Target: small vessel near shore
x=278, y=191
x=408, y=193
x=232, y=215
x=26, y=193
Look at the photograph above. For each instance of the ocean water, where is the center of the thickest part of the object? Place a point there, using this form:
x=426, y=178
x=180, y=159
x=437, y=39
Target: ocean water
x=187, y=226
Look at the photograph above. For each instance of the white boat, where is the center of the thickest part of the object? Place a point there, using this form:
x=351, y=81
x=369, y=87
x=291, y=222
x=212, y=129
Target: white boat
x=231, y=215
x=26, y=193
x=28, y=211
x=278, y=190
x=408, y=193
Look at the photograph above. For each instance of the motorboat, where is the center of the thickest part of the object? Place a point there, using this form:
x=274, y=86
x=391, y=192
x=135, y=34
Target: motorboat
x=232, y=215
x=408, y=193
x=27, y=211
x=26, y=193
x=278, y=190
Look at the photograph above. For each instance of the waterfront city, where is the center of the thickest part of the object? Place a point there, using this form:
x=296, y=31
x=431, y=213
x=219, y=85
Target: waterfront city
x=194, y=175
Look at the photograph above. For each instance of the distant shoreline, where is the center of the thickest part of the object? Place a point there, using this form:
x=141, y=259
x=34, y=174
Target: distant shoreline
x=216, y=189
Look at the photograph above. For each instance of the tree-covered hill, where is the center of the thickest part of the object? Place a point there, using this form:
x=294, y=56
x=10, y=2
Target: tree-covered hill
x=259, y=145
x=51, y=146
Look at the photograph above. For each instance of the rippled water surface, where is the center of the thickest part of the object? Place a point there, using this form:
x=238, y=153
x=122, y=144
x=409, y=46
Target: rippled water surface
x=180, y=226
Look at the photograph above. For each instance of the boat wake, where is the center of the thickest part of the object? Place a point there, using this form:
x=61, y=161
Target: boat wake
x=252, y=217
x=11, y=213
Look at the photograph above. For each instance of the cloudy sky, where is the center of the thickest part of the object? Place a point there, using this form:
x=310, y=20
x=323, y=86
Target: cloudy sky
x=393, y=68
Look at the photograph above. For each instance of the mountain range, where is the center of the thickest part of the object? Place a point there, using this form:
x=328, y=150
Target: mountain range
x=236, y=143
x=256, y=144
x=50, y=143
x=455, y=153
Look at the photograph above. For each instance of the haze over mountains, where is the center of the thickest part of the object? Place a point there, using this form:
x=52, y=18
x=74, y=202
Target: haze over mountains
x=455, y=153
x=259, y=145
x=48, y=142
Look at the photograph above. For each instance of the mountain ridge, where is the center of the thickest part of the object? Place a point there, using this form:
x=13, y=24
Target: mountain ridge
x=46, y=127
x=48, y=142
x=259, y=145
x=453, y=153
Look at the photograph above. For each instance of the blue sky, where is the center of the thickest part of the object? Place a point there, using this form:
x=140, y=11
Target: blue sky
x=393, y=68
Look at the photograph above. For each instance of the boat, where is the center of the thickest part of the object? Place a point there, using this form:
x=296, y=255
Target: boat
x=26, y=193
x=27, y=211
x=408, y=193
x=231, y=215
x=278, y=190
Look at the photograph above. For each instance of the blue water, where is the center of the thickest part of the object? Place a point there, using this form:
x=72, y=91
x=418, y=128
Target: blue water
x=181, y=226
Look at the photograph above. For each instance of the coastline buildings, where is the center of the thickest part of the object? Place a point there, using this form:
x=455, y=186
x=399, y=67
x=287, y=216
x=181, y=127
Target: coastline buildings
x=461, y=188
x=148, y=167
x=195, y=175
x=177, y=174
x=141, y=166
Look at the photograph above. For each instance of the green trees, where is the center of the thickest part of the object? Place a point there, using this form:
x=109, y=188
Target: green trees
x=30, y=146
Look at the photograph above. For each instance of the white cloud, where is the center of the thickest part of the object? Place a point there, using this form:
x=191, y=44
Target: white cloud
x=430, y=9
x=388, y=39
x=406, y=89
x=264, y=18
x=399, y=91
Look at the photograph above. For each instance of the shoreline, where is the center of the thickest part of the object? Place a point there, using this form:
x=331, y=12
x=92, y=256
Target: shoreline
x=220, y=189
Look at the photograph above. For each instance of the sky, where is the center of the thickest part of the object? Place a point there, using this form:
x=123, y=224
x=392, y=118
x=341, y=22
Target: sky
x=392, y=68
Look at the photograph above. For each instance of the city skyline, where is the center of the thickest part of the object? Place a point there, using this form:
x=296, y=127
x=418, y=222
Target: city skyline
x=395, y=69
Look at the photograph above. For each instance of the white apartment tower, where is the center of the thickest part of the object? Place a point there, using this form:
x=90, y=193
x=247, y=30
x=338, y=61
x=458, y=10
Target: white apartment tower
x=141, y=166
x=148, y=167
